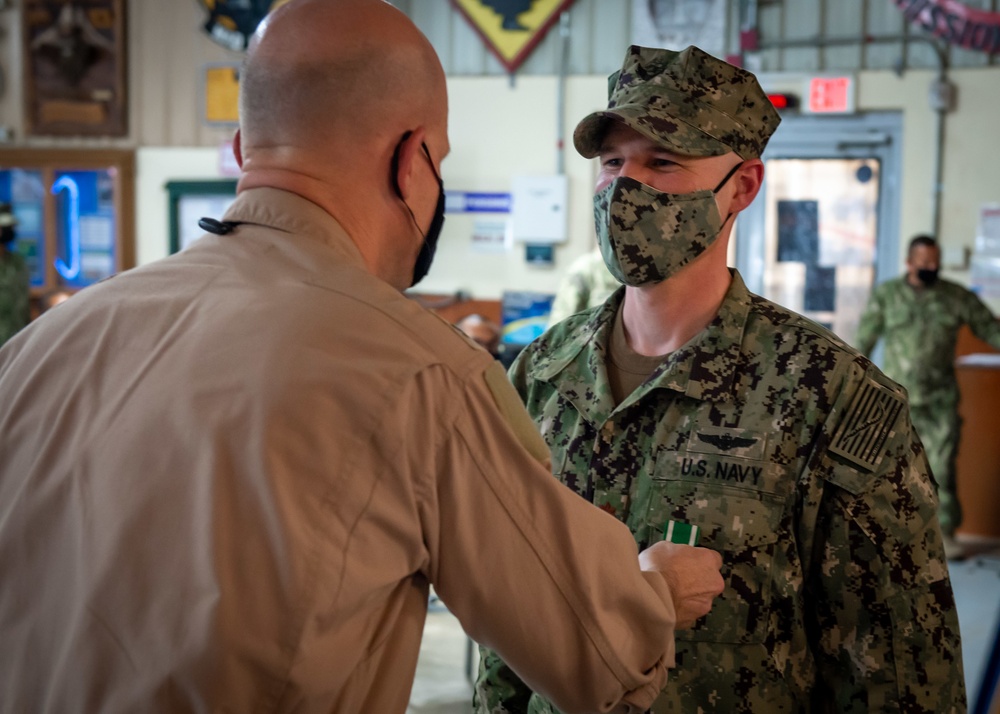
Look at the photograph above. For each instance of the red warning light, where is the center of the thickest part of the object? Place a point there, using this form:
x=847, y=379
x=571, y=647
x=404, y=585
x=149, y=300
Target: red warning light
x=784, y=101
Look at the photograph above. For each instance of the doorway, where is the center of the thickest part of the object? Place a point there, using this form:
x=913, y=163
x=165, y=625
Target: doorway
x=825, y=228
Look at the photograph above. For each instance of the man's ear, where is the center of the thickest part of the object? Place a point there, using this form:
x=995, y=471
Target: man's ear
x=404, y=160
x=748, y=180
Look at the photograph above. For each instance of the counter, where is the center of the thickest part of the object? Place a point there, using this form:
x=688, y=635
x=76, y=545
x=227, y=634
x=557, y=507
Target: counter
x=977, y=470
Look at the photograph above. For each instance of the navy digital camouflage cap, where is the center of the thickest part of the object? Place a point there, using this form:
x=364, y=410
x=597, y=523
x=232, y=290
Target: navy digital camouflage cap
x=689, y=102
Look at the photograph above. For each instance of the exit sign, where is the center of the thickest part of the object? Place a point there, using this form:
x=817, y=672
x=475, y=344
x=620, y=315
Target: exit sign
x=831, y=95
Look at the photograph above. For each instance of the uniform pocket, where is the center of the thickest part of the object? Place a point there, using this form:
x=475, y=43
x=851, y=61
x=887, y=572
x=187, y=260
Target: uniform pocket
x=924, y=621
x=739, y=520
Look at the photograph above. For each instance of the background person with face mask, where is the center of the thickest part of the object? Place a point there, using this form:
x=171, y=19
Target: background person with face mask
x=15, y=286
x=918, y=316
x=688, y=407
x=229, y=477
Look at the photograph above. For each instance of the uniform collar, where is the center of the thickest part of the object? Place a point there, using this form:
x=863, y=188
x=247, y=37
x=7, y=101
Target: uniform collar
x=575, y=364
x=703, y=369
x=290, y=213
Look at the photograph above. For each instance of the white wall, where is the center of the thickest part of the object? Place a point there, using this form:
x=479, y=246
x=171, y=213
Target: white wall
x=155, y=166
x=499, y=130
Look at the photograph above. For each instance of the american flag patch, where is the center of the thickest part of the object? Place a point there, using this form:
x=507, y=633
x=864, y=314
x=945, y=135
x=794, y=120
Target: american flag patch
x=868, y=422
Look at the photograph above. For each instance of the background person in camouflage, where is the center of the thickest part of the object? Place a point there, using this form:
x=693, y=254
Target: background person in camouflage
x=14, y=279
x=685, y=400
x=918, y=315
x=587, y=283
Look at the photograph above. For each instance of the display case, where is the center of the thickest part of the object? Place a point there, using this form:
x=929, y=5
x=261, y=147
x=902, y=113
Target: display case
x=75, y=212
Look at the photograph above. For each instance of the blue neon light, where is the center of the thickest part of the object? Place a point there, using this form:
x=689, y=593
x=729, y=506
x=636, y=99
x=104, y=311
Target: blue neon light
x=71, y=271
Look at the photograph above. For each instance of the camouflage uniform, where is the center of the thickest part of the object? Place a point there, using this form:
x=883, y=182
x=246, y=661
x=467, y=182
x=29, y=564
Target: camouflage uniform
x=791, y=452
x=920, y=328
x=796, y=458
x=14, y=294
x=587, y=283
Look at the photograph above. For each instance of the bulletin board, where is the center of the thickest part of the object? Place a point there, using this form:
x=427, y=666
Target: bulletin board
x=191, y=200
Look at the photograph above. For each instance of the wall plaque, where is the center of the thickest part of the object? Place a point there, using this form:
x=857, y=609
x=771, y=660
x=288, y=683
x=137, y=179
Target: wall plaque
x=74, y=66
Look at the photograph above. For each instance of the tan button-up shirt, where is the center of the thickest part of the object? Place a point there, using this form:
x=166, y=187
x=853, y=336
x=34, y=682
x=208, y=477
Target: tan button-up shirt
x=228, y=477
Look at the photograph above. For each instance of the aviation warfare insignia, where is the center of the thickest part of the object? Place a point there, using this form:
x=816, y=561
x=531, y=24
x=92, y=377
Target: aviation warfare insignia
x=726, y=441
x=731, y=442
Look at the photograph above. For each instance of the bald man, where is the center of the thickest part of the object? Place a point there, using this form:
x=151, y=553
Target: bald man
x=228, y=478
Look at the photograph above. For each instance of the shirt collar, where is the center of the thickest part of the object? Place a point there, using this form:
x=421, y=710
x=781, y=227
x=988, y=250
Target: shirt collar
x=703, y=369
x=290, y=213
x=572, y=357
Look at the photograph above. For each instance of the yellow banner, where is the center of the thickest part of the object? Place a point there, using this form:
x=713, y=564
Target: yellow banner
x=511, y=29
x=222, y=94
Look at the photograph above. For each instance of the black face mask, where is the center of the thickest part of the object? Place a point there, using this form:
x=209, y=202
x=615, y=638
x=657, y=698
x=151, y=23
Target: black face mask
x=927, y=276
x=426, y=255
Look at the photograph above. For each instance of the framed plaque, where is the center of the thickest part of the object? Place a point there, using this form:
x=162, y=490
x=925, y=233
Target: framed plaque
x=74, y=66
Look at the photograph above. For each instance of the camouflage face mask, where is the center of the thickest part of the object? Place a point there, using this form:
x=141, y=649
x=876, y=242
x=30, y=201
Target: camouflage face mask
x=647, y=235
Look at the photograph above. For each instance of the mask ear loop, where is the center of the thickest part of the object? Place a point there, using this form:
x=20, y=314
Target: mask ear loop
x=723, y=181
x=395, y=171
x=395, y=164
x=434, y=171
